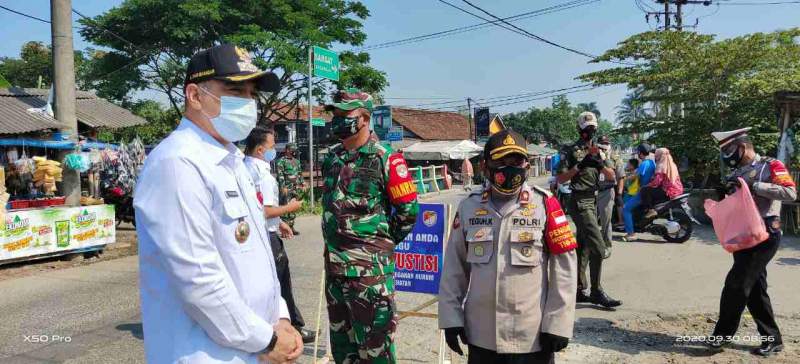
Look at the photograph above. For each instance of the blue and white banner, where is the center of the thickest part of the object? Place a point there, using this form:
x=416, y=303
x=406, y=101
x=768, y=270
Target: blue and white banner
x=419, y=258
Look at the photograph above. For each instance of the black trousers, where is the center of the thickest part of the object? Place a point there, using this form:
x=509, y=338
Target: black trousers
x=652, y=196
x=285, y=278
x=479, y=355
x=746, y=286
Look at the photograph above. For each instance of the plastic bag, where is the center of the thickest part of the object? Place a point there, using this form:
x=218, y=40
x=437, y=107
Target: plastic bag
x=736, y=220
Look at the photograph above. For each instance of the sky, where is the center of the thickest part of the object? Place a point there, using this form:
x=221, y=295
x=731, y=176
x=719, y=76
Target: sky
x=485, y=63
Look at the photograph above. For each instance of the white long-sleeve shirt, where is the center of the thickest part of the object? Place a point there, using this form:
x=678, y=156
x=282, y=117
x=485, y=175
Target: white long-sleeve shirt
x=206, y=297
x=266, y=185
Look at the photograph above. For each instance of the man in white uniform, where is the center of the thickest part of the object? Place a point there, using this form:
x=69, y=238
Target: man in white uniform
x=209, y=290
x=260, y=151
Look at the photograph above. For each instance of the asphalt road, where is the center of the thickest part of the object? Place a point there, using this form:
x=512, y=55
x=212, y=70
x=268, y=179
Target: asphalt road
x=90, y=314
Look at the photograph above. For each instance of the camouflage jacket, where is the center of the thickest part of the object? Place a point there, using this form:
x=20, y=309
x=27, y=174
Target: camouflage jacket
x=369, y=205
x=289, y=172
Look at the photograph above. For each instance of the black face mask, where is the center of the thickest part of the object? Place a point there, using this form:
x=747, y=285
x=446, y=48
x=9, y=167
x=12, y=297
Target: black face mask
x=343, y=127
x=588, y=133
x=508, y=179
x=733, y=158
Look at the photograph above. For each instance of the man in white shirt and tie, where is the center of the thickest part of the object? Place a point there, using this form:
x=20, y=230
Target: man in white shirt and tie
x=208, y=282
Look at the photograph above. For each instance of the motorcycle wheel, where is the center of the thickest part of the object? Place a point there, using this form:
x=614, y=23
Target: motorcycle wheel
x=684, y=233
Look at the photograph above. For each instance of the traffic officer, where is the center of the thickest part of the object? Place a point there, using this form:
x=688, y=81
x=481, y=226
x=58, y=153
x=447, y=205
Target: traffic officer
x=746, y=283
x=511, y=246
x=369, y=205
x=290, y=180
x=606, y=193
x=260, y=151
x=582, y=164
x=209, y=291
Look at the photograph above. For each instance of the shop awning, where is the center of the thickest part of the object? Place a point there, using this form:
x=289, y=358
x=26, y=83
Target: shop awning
x=52, y=144
x=442, y=150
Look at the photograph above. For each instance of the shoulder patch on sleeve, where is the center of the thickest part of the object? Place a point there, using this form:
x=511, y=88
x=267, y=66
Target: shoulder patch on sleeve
x=780, y=175
x=401, y=186
x=558, y=234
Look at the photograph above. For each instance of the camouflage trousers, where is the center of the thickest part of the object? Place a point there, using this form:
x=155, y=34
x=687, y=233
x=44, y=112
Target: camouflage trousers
x=284, y=199
x=362, y=319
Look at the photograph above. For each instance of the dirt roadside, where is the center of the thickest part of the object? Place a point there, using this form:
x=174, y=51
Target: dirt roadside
x=126, y=245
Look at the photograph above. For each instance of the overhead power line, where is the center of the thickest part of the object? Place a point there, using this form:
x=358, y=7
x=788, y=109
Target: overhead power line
x=25, y=15
x=469, y=28
x=758, y=3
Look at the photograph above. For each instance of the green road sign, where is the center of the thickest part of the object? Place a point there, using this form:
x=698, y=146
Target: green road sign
x=326, y=63
x=317, y=122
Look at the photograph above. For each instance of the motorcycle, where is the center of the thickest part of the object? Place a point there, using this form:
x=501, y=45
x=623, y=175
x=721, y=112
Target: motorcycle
x=123, y=205
x=673, y=222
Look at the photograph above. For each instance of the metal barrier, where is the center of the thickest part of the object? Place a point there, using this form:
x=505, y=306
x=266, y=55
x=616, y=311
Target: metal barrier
x=430, y=175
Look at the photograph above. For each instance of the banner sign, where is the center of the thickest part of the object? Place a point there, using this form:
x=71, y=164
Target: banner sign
x=395, y=134
x=482, y=118
x=33, y=232
x=419, y=258
x=382, y=121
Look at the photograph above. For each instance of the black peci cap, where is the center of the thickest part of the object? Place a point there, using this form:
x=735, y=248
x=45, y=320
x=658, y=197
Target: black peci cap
x=503, y=143
x=229, y=63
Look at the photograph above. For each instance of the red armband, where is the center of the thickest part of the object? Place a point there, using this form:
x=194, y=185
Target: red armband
x=558, y=234
x=401, y=186
x=780, y=175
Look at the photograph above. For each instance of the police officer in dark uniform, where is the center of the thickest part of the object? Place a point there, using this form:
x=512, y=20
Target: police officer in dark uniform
x=746, y=283
x=581, y=164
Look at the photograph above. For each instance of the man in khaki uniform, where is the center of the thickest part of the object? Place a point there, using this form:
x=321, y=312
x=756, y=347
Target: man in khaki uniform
x=512, y=246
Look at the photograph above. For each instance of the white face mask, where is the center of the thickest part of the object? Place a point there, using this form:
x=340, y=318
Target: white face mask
x=237, y=117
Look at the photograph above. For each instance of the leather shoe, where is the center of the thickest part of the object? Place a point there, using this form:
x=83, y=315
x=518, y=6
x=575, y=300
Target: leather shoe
x=768, y=348
x=307, y=335
x=581, y=297
x=602, y=299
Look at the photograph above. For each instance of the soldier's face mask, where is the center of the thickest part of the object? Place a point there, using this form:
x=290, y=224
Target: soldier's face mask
x=732, y=155
x=588, y=133
x=343, y=127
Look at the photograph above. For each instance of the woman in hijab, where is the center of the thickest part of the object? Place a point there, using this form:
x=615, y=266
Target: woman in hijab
x=665, y=185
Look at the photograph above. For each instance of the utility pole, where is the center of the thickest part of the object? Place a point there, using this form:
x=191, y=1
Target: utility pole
x=472, y=136
x=678, y=12
x=64, y=88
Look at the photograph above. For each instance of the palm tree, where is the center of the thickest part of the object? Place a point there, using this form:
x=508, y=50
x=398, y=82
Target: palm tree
x=589, y=106
x=632, y=108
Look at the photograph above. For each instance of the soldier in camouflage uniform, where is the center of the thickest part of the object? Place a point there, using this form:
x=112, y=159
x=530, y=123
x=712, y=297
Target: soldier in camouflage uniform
x=290, y=181
x=369, y=206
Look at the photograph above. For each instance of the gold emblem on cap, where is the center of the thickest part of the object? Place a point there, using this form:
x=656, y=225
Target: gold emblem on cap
x=508, y=140
x=243, y=55
x=242, y=231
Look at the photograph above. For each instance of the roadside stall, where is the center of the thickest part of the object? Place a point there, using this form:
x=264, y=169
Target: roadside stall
x=433, y=162
x=34, y=156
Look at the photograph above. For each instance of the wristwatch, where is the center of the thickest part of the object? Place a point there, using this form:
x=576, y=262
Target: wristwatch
x=271, y=344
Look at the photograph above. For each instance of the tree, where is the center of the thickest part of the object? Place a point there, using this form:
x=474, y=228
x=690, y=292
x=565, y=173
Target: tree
x=35, y=61
x=150, y=43
x=160, y=122
x=703, y=85
x=555, y=125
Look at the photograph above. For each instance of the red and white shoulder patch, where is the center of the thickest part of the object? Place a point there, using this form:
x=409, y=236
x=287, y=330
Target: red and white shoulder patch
x=780, y=175
x=401, y=186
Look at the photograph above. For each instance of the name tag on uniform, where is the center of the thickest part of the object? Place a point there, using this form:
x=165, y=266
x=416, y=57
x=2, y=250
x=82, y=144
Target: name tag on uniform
x=232, y=194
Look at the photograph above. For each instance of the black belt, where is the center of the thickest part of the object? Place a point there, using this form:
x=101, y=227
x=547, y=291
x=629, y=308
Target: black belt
x=607, y=188
x=584, y=193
